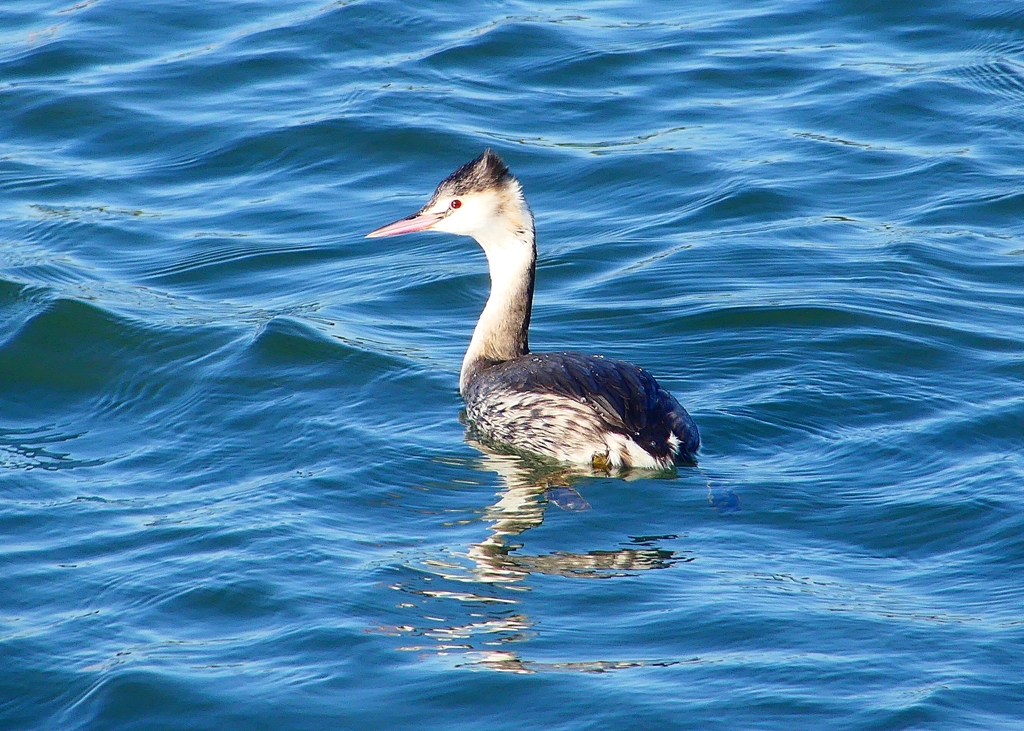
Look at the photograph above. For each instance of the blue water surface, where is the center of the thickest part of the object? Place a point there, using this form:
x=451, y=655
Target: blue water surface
x=234, y=489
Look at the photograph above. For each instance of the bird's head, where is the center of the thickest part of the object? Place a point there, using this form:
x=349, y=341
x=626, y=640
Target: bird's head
x=481, y=199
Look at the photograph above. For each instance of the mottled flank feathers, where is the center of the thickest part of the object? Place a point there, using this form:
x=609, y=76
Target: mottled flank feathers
x=574, y=407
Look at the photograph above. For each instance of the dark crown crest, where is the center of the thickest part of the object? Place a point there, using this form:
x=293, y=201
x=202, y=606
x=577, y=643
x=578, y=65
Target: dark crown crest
x=486, y=172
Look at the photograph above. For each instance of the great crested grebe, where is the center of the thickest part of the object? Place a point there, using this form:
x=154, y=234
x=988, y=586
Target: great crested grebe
x=582, y=409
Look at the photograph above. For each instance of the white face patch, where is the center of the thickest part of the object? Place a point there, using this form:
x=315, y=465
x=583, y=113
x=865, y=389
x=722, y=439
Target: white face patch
x=467, y=214
x=486, y=215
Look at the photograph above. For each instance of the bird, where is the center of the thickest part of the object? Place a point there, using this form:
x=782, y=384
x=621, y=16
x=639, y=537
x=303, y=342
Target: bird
x=570, y=407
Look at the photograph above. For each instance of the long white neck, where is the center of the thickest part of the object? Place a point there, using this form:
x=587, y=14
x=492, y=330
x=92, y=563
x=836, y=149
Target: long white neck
x=502, y=333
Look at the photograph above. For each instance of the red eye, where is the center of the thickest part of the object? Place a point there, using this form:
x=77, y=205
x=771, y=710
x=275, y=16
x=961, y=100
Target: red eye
x=456, y=203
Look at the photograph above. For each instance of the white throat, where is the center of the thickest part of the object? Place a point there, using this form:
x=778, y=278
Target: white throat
x=502, y=332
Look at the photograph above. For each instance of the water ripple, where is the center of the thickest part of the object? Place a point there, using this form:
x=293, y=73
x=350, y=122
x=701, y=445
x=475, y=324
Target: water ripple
x=236, y=490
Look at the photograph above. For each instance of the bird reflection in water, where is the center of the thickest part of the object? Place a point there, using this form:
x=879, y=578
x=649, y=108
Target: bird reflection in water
x=490, y=619
x=530, y=487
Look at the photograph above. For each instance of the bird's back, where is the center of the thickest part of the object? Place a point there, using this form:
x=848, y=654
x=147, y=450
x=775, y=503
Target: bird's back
x=573, y=406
